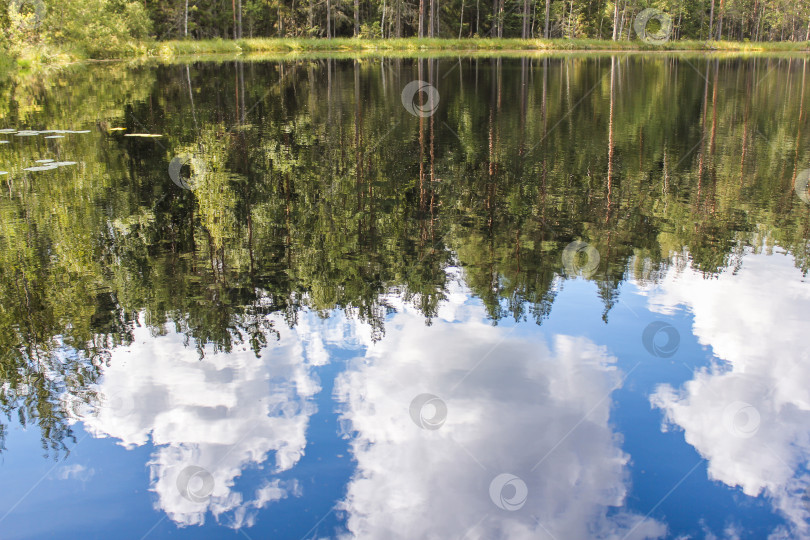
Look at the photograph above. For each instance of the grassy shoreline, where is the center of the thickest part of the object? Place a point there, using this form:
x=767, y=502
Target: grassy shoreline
x=279, y=45
x=45, y=56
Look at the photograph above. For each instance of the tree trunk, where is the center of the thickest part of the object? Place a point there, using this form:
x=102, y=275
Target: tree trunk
x=239, y=18
x=461, y=20
x=431, y=20
x=525, y=33
x=185, y=24
x=571, y=21
x=678, y=28
x=356, y=18
x=720, y=22
x=328, y=18
x=711, y=20
x=616, y=21
x=382, y=22
x=399, y=18
x=191, y=97
x=610, y=127
x=421, y=32
x=548, y=15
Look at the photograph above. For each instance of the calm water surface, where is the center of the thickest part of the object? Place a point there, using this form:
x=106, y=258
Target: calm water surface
x=554, y=297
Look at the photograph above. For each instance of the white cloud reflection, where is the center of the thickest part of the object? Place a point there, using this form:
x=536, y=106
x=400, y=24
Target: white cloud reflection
x=539, y=413
x=225, y=413
x=75, y=472
x=756, y=322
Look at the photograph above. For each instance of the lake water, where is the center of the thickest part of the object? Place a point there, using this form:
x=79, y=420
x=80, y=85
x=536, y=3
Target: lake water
x=558, y=297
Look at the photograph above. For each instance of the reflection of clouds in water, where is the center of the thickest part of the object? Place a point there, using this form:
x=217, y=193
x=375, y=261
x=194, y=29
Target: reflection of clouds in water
x=224, y=413
x=516, y=407
x=750, y=417
x=75, y=472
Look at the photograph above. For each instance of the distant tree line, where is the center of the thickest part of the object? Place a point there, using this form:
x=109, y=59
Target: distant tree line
x=109, y=23
x=755, y=20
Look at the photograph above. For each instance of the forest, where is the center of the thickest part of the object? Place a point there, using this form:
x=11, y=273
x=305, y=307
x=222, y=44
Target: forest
x=116, y=28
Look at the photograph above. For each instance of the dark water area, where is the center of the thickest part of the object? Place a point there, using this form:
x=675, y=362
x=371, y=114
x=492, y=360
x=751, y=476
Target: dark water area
x=466, y=297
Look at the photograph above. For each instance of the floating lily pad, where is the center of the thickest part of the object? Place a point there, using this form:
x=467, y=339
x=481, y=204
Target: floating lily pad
x=48, y=167
x=144, y=135
x=55, y=137
x=44, y=161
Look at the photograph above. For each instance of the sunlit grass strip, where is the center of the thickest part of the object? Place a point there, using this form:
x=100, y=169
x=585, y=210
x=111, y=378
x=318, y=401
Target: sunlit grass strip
x=189, y=47
x=36, y=58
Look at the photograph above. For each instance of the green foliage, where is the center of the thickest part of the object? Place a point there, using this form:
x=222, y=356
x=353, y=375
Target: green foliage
x=99, y=28
x=35, y=29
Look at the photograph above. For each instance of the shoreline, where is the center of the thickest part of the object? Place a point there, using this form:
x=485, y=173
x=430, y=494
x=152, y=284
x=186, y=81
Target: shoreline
x=416, y=45
x=171, y=51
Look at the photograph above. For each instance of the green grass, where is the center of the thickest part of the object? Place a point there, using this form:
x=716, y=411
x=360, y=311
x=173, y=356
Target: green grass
x=44, y=57
x=294, y=45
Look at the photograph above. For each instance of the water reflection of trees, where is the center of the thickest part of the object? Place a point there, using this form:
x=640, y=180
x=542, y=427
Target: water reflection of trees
x=322, y=192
